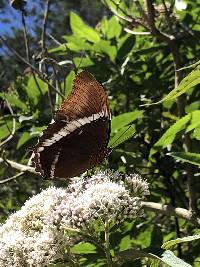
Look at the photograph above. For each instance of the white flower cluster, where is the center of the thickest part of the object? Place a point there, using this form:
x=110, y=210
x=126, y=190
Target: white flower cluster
x=105, y=196
x=25, y=238
x=35, y=235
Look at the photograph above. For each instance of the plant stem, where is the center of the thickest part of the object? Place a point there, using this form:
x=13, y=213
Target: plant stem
x=107, y=243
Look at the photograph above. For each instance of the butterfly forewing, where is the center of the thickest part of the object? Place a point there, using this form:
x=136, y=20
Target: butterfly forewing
x=77, y=139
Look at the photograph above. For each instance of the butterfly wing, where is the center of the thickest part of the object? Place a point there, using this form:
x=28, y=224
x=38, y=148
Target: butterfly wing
x=77, y=139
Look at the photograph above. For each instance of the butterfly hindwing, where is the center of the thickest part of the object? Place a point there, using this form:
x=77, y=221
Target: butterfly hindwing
x=77, y=139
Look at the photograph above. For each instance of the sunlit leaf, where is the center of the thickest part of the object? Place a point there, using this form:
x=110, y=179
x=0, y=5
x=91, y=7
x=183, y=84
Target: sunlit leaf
x=35, y=89
x=84, y=247
x=121, y=136
x=192, y=158
x=185, y=124
x=6, y=126
x=82, y=62
x=188, y=82
x=105, y=47
x=124, y=119
x=81, y=29
x=114, y=28
x=171, y=243
x=14, y=101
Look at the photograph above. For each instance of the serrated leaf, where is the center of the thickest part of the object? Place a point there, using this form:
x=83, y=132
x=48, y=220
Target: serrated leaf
x=169, y=258
x=82, y=30
x=124, y=119
x=185, y=124
x=192, y=158
x=84, y=248
x=121, y=136
x=171, y=243
x=194, y=121
x=188, y=82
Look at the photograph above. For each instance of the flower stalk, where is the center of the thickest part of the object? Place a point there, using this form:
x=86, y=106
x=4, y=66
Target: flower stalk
x=107, y=243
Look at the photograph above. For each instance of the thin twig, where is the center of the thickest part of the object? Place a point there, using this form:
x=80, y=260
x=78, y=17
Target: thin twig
x=31, y=66
x=171, y=211
x=46, y=14
x=26, y=37
x=11, y=178
x=14, y=126
x=136, y=33
x=18, y=166
x=54, y=39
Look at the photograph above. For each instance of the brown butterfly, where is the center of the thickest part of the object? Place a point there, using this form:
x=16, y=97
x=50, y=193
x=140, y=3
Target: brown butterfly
x=77, y=139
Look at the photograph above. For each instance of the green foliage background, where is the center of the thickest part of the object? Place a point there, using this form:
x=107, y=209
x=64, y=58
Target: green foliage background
x=137, y=71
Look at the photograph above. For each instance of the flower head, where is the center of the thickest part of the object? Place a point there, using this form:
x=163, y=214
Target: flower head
x=35, y=235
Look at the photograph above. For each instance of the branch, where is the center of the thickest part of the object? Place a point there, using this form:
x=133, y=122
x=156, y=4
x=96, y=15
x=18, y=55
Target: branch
x=171, y=211
x=31, y=66
x=26, y=36
x=11, y=178
x=48, y=2
x=18, y=166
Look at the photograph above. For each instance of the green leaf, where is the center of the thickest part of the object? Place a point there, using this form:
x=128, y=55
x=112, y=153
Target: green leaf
x=82, y=62
x=69, y=83
x=36, y=131
x=185, y=124
x=76, y=43
x=104, y=25
x=121, y=136
x=59, y=50
x=14, y=101
x=171, y=243
x=124, y=119
x=35, y=89
x=188, y=82
x=66, y=87
x=126, y=45
x=84, y=248
x=192, y=158
x=194, y=121
x=23, y=139
x=6, y=126
x=169, y=136
x=196, y=133
x=82, y=30
x=105, y=47
x=114, y=28
x=173, y=261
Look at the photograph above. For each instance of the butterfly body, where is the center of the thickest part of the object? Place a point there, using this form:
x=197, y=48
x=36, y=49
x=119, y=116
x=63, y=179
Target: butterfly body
x=77, y=139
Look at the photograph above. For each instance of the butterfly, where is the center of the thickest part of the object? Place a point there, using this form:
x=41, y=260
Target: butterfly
x=77, y=139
